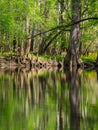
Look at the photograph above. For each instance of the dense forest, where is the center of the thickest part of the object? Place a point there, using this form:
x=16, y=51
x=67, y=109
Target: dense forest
x=67, y=28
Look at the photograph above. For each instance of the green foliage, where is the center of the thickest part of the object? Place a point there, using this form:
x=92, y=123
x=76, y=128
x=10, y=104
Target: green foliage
x=58, y=57
x=43, y=15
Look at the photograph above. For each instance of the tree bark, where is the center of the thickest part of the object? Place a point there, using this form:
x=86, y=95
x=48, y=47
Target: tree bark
x=75, y=33
x=73, y=57
x=28, y=42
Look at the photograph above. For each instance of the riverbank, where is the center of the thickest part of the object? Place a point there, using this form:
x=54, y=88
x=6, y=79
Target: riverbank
x=29, y=62
x=13, y=61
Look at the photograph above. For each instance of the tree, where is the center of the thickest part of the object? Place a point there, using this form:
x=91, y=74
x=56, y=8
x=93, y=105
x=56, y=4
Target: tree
x=73, y=56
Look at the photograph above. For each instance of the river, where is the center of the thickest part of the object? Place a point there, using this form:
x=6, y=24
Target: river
x=48, y=100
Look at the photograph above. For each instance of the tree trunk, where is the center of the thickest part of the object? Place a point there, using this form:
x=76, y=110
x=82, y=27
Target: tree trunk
x=32, y=39
x=61, y=20
x=28, y=42
x=73, y=57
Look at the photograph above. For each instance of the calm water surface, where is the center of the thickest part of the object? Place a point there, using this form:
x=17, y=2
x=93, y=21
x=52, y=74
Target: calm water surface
x=48, y=100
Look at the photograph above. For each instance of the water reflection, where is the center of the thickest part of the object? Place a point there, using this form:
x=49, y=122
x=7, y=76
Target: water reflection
x=48, y=100
x=74, y=83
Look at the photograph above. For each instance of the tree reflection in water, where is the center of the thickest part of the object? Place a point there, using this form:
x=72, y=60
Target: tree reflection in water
x=47, y=100
x=74, y=83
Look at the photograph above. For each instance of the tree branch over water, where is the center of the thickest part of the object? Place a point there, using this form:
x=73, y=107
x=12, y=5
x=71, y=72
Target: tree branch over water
x=60, y=27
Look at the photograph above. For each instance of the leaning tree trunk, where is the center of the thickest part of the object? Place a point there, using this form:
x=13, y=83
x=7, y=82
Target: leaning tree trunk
x=73, y=57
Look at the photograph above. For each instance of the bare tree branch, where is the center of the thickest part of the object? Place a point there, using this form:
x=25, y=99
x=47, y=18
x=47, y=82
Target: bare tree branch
x=60, y=27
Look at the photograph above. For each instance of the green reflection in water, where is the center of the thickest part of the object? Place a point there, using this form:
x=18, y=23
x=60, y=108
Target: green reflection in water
x=89, y=100
x=48, y=100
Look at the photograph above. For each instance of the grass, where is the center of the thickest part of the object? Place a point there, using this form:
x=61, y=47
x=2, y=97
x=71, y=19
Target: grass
x=90, y=57
x=57, y=57
x=6, y=53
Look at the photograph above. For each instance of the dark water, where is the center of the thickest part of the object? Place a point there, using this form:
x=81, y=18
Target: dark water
x=48, y=100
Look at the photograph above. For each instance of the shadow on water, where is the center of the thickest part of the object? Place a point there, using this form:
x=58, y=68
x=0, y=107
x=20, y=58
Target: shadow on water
x=48, y=100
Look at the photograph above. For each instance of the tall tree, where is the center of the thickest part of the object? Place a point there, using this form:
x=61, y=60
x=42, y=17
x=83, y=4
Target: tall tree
x=73, y=57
